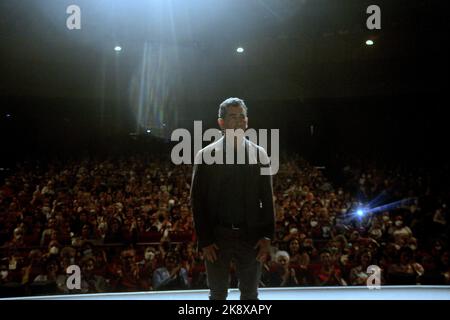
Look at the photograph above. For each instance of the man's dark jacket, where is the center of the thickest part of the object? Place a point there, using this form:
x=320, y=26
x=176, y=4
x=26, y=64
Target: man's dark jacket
x=206, y=190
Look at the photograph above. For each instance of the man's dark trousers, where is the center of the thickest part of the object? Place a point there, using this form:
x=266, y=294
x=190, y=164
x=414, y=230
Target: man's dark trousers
x=234, y=245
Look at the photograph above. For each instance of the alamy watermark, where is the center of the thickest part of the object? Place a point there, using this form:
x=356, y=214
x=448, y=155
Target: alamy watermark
x=374, y=20
x=213, y=154
x=74, y=280
x=74, y=20
x=374, y=280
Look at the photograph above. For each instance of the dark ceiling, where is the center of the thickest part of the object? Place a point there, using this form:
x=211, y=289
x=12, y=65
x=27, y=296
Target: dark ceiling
x=186, y=49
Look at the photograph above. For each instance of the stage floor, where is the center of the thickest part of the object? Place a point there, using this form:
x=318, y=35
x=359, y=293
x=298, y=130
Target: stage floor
x=303, y=293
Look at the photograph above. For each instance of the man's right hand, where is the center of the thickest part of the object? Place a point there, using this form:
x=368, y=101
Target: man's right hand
x=209, y=252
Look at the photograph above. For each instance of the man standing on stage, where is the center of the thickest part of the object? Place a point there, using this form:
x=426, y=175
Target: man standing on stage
x=233, y=206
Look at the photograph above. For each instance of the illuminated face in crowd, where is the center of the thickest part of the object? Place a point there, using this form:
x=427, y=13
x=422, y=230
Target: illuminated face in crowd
x=282, y=260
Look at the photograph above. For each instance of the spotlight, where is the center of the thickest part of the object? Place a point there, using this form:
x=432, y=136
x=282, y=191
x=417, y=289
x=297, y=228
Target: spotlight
x=369, y=42
x=148, y=130
x=240, y=50
x=360, y=212
x=117, y=48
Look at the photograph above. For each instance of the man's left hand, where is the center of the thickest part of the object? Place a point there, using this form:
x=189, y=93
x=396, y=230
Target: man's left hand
x=264, y=249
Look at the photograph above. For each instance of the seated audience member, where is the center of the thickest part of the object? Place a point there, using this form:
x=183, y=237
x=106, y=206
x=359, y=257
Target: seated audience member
x=432, y=274
x=35, y=264
x=4, y=273
x=328, y=274
x=90, y=282
x=406, y=271
x=172, y=276
x=280, y=274
x=359, y=275
x=129, y=274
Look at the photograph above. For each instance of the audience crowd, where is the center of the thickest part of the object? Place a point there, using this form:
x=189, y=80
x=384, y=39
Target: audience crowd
x=126, y=222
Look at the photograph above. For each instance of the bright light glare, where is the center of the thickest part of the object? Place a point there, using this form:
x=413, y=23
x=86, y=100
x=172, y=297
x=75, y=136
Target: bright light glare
x=240, y=50
x=360, y=212
x=148, y=130
x=369, y=42
x=117, y=48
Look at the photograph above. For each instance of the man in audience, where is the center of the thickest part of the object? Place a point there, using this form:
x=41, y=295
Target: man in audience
x=172, y=276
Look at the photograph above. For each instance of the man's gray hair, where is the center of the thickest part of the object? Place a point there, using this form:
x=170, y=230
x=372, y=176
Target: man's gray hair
x=231, y=102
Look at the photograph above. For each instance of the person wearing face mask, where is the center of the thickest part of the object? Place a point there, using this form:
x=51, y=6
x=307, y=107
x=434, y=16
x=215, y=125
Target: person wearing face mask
x=399, y=229
x=376, y=231
x=149, y=263
x=53, y=249
x=87, y=249
x=149, y=254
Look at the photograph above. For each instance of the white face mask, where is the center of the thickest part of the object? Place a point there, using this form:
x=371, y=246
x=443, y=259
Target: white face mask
x=149, y=256
x=54, y=250
x=313, y=223
x=4, y=274
x=398, y=223
x=413, y=247
x=385, y=218
x=13, y=265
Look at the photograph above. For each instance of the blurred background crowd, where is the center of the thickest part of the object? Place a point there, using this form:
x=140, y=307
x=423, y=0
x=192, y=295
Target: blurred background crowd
x=126, y=222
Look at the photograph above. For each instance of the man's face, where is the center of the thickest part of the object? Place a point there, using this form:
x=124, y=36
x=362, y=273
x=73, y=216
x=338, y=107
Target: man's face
x=235, y=118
